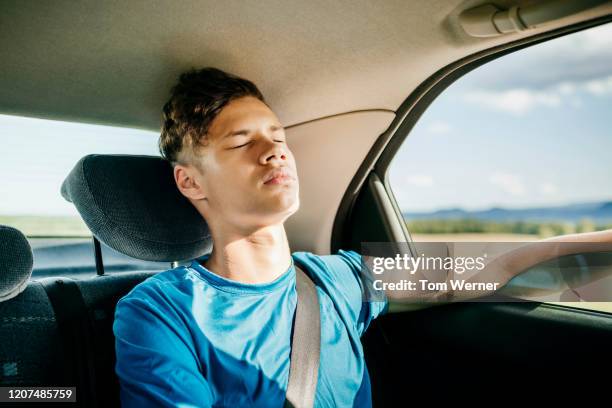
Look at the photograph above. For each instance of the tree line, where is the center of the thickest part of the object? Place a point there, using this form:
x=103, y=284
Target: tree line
x=470, y=225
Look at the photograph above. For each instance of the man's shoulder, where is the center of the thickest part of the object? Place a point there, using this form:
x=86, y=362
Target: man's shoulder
x=330, y=269
x=150, y=288
x=152, y=306
x=341, y=276
x=342, y=259
x=342, y=253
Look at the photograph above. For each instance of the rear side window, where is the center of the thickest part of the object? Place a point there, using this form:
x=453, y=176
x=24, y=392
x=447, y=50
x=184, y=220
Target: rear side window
x=516, y=150
x=37, y=155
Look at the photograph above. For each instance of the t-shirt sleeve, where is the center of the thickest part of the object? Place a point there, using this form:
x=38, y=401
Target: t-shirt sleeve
x=155, y=364
x=365, y=303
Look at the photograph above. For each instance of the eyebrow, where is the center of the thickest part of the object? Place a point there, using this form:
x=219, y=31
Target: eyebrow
x=244, y=132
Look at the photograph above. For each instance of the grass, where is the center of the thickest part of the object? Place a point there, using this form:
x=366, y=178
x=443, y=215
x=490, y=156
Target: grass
x=48, y=226
x=474, y=237
x=509, y=228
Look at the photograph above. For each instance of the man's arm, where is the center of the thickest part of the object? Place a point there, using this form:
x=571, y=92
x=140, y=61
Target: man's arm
x=155, y=365
x=503, y=267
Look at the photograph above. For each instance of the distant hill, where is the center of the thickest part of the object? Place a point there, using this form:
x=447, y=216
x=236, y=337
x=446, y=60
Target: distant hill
x=599, y=213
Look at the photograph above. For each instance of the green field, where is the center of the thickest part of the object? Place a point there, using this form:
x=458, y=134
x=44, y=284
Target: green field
x=431, y=229
x=60, y=226
x=490, y=228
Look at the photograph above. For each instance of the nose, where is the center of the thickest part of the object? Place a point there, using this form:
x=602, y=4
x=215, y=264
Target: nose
x=274, y=151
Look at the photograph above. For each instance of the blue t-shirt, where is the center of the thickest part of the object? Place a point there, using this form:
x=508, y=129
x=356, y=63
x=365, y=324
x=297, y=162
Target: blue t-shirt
x=190, y=338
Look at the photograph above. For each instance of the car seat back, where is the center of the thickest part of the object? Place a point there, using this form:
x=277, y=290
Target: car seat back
x=57, y=331
x=131, y=204
x=30, y=349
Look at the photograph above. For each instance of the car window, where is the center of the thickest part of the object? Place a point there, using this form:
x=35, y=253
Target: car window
x=37, y=155
x=516, y=150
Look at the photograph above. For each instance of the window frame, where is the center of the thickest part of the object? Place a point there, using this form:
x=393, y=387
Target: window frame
x=378, y=160
x=370, y=194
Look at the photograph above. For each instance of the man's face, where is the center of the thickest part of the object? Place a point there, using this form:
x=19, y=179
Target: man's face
x=245, y=146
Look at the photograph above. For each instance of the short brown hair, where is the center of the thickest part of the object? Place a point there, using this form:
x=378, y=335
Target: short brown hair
x=195, y=101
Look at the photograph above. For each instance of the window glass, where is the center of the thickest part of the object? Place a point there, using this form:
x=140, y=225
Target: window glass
x=517, y=150
x=37, y=155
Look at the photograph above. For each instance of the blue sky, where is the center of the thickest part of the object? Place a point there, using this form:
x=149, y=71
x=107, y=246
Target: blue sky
x=528, y=129
x=38, y=154
x=531, y=128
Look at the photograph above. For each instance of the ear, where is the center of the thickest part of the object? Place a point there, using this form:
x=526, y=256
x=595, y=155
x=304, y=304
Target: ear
x=187, y=182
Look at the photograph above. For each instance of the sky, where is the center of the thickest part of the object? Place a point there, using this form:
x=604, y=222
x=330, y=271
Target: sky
x=529, y=129
x=532, y=128
x=38, y=154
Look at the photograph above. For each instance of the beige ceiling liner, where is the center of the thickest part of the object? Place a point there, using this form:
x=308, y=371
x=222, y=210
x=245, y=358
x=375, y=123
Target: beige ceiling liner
x=113, y=62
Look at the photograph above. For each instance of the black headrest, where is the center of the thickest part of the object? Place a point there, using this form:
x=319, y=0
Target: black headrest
x=132, y=204
x=16, y=262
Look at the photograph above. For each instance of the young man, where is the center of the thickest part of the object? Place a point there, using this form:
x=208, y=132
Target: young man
x=217, y=333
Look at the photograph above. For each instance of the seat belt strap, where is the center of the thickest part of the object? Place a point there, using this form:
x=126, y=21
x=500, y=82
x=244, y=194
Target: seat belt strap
x=75, y=331
x=305, y=344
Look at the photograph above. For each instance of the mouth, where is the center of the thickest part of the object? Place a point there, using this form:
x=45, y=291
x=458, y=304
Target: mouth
x=284, y=179
x=278, y=177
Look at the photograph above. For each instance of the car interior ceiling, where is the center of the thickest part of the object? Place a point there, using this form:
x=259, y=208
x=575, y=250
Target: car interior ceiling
x=59, y=331
x=85, y=47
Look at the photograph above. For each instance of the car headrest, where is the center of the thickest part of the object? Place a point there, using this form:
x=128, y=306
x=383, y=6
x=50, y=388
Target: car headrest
x=132, y=204
x=16, y=262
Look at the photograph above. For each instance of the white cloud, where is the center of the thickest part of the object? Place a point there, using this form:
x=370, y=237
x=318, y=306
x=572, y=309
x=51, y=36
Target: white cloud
x=548, y=189
x=520, y=101
x=515, y=101
x=419, y=180
x=597, y=40
x=600, y=87
x=578, y=57
x=510, y=183
x=566, y=88
x=439, y=128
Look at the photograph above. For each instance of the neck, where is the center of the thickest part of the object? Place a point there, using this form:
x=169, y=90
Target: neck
x=259, y=257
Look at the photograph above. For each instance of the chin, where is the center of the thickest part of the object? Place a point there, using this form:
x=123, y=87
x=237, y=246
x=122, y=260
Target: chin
x=281, y=211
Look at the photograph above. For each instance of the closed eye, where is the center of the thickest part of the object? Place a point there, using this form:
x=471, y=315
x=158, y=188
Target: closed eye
x=247, y=143
x=242, y=145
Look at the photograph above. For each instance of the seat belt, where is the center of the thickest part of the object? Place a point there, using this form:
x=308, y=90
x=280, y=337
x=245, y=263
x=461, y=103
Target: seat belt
x=75, y=331
x=305, y=344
